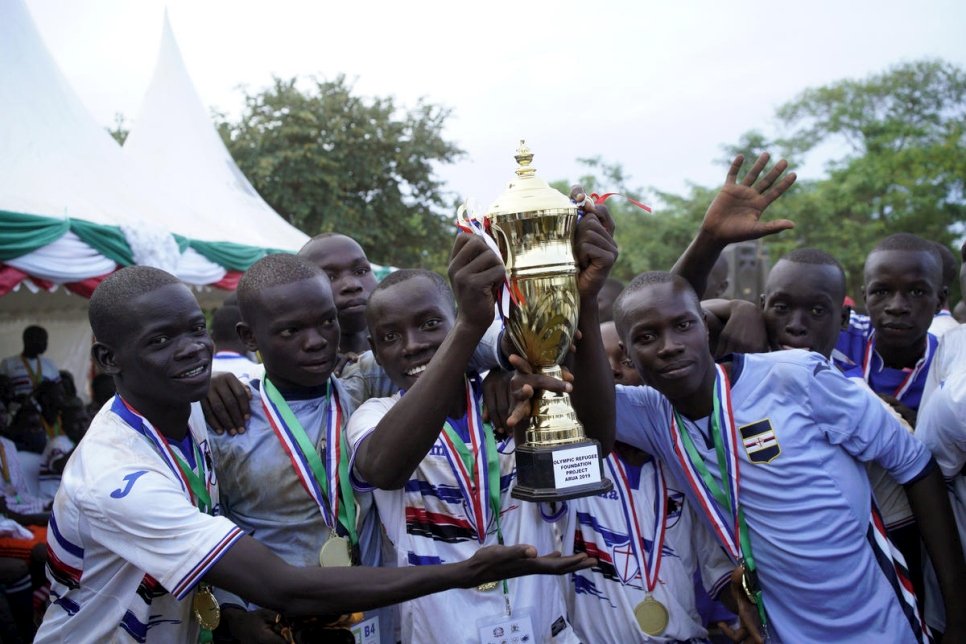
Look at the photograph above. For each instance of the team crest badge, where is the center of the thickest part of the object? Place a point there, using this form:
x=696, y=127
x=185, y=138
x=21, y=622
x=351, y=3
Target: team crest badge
x=625, y=563
x=760, y=442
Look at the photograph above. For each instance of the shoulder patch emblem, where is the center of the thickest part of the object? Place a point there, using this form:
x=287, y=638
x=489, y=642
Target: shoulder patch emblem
x=760, y=442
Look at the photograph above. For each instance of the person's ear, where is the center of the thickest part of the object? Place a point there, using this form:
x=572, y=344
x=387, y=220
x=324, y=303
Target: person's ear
x=247, y=336
x=943, y=296
x=105, y=358
x=761, y=301
x=846, y=316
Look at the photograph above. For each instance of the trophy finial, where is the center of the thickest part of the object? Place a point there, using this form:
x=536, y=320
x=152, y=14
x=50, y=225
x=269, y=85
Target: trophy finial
x=524, y=157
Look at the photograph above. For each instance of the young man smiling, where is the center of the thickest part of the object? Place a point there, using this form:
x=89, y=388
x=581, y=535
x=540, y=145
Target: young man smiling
x=791, y=500
x=134, y=528
x=409, y=447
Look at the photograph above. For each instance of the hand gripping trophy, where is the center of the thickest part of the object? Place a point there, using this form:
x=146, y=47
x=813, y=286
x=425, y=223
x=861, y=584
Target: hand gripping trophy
x=534, y=226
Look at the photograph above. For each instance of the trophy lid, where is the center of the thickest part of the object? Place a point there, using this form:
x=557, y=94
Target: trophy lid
x=528, y=192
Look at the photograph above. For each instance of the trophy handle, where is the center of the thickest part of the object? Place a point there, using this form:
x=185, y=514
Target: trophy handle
x=501, y=242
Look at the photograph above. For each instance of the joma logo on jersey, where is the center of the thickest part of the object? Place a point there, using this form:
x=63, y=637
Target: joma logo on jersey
x=760, y=442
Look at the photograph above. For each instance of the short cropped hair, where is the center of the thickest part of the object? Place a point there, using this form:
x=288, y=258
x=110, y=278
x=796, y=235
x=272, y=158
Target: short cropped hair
x=270, y=271
x=112, y=298
x=643, y=281
x=34, y=330
x=321, y=236
x=223, y=323
x=406, y=274
x=910, y=242
x=817, y=257
x=950, y=265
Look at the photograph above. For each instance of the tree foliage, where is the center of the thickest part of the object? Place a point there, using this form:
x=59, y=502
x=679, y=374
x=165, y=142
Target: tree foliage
x=904, y=169
x=647, y=241
x=901, y=139
x=328, y=160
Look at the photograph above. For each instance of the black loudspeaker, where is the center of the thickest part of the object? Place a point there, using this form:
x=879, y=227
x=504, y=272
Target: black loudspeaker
x=748, y=266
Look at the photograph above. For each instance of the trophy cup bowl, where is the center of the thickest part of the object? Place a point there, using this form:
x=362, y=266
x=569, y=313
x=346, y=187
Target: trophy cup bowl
x=534, y=226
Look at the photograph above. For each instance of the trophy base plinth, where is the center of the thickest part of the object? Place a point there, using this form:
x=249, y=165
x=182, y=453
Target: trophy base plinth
x=559, y=472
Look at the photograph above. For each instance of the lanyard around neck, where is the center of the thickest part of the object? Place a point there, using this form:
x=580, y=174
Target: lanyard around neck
x=476, y=467
x=715, y=499
x=327, y=483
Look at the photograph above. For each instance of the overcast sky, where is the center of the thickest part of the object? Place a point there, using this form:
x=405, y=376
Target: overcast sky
x=655, y=86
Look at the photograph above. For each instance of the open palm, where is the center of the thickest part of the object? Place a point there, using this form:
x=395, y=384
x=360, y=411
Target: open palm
x=735, y=214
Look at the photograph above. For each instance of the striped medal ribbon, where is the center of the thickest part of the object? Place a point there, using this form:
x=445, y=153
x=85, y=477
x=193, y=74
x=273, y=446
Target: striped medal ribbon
x=476, y=467
x=195, y=486
x=326, y=483
x=911, y=377
x=652, y=616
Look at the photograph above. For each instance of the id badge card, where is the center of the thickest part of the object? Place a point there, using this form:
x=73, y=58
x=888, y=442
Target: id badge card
x=505, y=629
x=367, y=631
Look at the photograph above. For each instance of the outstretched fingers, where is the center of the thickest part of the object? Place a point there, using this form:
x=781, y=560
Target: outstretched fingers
x=779, y=189
x=771, y=176
x=556, y=564
x=735, y=168
x=756, y=169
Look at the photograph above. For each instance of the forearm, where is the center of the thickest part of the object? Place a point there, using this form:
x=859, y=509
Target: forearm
x=696, y=262
x=594, y=394
x=408, y=431
x=930, y=504
x=263, y=579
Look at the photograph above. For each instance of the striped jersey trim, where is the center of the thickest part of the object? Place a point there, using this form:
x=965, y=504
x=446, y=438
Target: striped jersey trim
x=190, y=580
x=893, y=566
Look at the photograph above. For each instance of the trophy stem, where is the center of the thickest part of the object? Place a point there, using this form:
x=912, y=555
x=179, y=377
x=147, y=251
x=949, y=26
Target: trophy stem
x=558, y=461
x=554, y=422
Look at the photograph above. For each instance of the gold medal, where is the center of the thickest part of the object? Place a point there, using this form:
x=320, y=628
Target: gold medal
x=488, y=586
x=335, y=552
x=205, y=608
x=651, y=616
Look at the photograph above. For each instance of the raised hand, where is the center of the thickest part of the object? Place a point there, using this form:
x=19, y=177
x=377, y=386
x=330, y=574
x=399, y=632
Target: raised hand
x=735, y=214
x=594, y=249
x=524, y=385
x=496, y=563
x=476, y=274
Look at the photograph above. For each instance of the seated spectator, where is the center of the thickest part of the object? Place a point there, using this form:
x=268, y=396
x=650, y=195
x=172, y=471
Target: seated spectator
x=58, y=450
x=50, y=397
x=67, y=382
x=29, y=368
x=25, y=428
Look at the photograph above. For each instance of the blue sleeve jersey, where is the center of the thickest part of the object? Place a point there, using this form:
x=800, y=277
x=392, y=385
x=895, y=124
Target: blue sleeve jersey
x=849, y=355
x=805, y=432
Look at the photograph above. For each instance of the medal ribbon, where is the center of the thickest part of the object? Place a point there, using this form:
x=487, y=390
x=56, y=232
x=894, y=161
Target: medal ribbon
x=910, y=378
x=477, y=469
x=733, y=529
x=324, y=482
x=469, y=224
x=650, y=566
x=36, y=377
x=194, y=485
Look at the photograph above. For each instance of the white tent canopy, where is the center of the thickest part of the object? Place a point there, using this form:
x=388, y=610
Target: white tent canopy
x=74, y=206
x=174, y=141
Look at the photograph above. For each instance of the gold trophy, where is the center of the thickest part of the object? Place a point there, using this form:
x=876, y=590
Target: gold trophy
x=534, y=226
